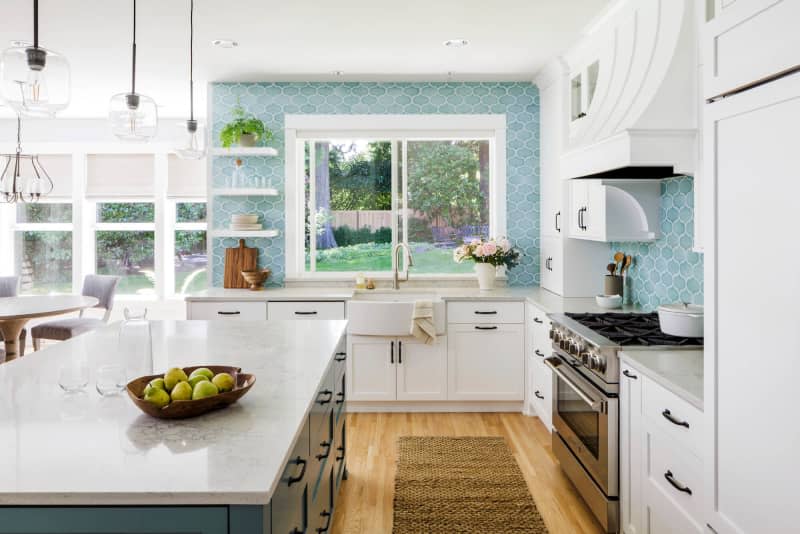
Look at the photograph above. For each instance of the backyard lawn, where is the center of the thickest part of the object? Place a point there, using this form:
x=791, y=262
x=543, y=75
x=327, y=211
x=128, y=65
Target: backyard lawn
x=369, y=257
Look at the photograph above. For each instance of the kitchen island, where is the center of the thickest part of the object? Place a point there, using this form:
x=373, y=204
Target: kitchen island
x=270, y=463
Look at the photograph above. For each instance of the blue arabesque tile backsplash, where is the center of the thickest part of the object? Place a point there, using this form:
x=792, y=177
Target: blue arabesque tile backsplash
x=667, y=270
x=270, y=101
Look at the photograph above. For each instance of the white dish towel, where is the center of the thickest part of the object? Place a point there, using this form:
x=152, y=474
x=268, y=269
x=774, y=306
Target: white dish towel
x=422, y=325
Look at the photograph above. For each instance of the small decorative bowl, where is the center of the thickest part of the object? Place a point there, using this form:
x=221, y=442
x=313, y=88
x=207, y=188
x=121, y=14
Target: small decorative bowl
x=256, y=278
x=192, y=408
x=609, y=302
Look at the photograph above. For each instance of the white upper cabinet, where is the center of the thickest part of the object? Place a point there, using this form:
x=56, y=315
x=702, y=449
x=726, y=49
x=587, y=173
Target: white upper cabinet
x=749, y=40
x=614, y=210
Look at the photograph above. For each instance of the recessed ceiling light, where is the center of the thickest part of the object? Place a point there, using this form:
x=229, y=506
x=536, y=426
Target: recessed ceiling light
x=18, y=43
x=225, y=43
x=456, y=43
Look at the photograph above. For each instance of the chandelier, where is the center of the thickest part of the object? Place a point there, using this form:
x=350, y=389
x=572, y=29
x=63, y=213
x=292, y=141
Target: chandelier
x=23, y=177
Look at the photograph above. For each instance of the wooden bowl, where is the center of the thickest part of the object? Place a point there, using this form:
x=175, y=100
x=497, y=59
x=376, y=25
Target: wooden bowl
x=256, y=279
x=192, y=408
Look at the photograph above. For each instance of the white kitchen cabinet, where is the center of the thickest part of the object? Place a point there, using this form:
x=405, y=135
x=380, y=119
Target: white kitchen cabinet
x=485, y=312
x=615, y=209
x=750, y=401
x=227, y=310
x=749, y=40
x=552, y=270
x=389, y=369
x=630, y=453
x=284, y=311
x=486, y=362
x=540, y=385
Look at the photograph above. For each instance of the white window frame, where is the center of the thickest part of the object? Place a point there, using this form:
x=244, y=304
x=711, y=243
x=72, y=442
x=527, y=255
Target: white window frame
x=393, y=128
x=169, y=239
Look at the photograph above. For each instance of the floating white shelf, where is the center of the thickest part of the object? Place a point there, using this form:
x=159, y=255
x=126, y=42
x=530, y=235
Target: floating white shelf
x=245, y=191
x=244, y=151
x=244, y=233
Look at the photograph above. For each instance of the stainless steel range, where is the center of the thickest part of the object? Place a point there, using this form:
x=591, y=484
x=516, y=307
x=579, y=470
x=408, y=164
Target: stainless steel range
x=585, y=368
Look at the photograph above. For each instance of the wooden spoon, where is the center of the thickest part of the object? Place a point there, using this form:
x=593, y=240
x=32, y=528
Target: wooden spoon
x=626, y=263
x=611, y=268
x=619, y=257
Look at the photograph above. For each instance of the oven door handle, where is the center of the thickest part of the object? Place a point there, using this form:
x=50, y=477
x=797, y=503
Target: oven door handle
x=595, y=404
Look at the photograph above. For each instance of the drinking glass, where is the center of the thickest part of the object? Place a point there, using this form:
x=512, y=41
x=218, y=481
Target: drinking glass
x=135, y=343
x=110, y=380
x=73, y=377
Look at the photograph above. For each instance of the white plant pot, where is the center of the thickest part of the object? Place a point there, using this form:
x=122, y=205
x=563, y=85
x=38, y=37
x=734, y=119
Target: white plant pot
x=247, y=140
x=486, y=275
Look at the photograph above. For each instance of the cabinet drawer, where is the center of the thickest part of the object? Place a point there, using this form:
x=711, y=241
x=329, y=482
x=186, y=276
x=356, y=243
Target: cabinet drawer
x=486, y=312
x=321, y=508
x=283, y=311
x=673, y=480
x=678, y=419
x=289, y=504
x=249, y=311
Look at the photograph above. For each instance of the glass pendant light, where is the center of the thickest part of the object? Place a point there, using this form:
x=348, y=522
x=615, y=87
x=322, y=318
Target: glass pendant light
x=34, y=81
x=23, y=177
x=133, y=116
x=191, y=142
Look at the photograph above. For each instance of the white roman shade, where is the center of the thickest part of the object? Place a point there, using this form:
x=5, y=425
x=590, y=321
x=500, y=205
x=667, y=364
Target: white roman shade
x=59, y=168
x=187, y=177
x=120, y=175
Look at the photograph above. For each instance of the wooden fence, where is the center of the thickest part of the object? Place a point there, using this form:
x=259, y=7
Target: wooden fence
x=355, y=219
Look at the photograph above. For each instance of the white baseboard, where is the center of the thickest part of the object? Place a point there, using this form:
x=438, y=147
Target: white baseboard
x=437, y=407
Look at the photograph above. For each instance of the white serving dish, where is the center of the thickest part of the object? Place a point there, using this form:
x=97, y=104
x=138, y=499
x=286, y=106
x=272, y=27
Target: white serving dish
x=609, y=302
x=681, y=319
x=244, y=218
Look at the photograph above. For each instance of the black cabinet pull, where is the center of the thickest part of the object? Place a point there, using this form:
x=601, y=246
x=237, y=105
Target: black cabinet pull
x=298, y=461
x=538, y=395
x=558, y=216
x=340, y=458
x=340, y=356
x=538, y=353
x=229, y=313
x=671, y=418
x=327, y=445
x=485, y=328
x=391, y=352
x=327, y=392
x=340, y=400
x=537, y=320
x=327, y=515
x=305, y=313
x=478, y=312
x=630, y=375
x=399, y=352
x=675, y=484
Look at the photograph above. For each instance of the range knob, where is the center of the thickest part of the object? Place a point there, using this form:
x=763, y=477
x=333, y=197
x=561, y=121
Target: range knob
x=601, y=364
x=575, y=347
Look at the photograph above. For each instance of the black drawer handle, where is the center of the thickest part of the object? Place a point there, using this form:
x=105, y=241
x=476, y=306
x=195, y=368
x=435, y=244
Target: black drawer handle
x=229, y=313
x=298, y=461
x=671, y=418
x=305, y=313
x=340, y=400
x=478, y=312
x=485, y=328
x=675, y=484
x=327, y=515
x=326, y=392
x=631, y=375
x=399, y=352
x=538, y=353
x=340, y=356
x=327, y=445
x=391, y=352
x=538, y=395
x=340, y=458
x=537, y=320
x=558, y=216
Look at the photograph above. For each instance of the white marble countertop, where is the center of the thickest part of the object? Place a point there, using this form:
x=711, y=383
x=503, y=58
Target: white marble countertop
x=680, y=371
x=547, y=301
x=59, y=449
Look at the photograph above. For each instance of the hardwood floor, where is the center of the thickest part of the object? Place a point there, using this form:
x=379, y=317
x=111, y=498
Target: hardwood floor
x=365, y=501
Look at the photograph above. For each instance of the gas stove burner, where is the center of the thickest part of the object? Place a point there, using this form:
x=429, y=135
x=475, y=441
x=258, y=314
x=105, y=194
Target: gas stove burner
x=626, y=329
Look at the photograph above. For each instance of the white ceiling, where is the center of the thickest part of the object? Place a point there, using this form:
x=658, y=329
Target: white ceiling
x=292, y=40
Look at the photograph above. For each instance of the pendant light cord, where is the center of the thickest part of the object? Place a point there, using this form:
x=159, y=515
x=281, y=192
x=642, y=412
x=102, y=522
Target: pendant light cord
x=191, y=60
x=35, y=23
x=133, y=50
x=19, y=134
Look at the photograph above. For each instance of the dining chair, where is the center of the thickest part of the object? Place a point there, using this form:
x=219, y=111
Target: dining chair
x=103, y=288
x=9, y=287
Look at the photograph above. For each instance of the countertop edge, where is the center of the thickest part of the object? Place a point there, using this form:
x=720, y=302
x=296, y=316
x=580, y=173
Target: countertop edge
x=662, y=381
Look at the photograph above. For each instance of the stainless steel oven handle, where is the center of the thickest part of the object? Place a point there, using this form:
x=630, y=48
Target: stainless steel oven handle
x=588, y=400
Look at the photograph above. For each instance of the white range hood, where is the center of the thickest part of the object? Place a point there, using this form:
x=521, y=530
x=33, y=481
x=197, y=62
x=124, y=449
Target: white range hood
x=639, y=106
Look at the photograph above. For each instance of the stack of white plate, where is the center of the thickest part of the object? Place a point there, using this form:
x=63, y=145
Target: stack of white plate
x=245, y=221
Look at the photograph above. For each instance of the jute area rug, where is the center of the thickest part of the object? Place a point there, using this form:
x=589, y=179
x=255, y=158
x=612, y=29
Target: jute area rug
x=461, y=485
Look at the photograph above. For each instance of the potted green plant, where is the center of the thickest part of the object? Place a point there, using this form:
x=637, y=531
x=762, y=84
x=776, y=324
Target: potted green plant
x=244, y=130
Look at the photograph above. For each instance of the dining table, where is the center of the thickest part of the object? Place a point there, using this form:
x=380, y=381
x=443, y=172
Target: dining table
x=15, y=312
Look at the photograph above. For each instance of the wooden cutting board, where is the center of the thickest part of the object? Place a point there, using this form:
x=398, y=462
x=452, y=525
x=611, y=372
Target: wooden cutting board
x=239, y=259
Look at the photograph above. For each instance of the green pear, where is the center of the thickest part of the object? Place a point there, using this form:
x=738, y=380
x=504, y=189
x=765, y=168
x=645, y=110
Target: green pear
x=202, y=371
x=173, y=376
x=156, y=396
x=181, y=391
x=193, y=380
x=156, y=383
x=223, y=381
x=204, y=389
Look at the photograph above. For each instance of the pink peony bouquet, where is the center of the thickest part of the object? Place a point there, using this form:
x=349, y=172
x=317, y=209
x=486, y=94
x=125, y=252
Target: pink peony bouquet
x=493, y=251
